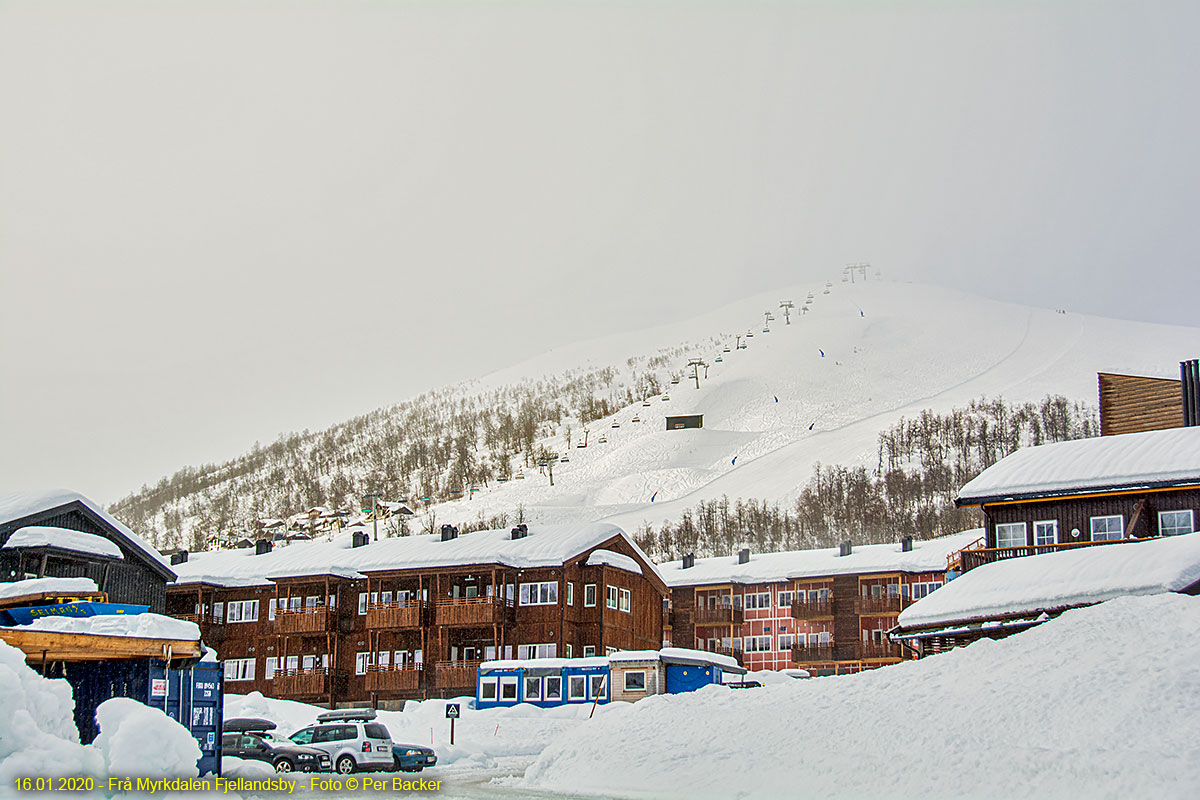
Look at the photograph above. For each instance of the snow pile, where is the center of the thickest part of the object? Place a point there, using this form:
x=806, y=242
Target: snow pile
x=248, y=768
x=146, y=625
x=1126, y=461
x=1050, y=581
x=38, y=736
x=1102, y=702
x=40, y=585
x=127, y=727
x=65, y=539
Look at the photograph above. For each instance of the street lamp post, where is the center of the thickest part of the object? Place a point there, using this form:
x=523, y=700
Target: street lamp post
x=374, y=498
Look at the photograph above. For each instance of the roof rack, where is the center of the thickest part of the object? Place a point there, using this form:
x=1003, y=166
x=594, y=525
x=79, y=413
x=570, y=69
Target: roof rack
x=247, y=725
x=346, y=715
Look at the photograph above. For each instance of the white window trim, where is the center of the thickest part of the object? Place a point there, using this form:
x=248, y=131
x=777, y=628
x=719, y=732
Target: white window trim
x=570, y=593
x=531, y=594
x=1092, y=527
x=1191, y=521
x=491, y=683
x=586, y=588
x=1052, y=522
x=610, y=597
x=626, y=601
x=1013, y=525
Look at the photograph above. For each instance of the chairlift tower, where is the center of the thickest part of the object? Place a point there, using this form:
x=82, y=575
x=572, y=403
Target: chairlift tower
x=861, y=268
x=787, y=306
x=696, y=364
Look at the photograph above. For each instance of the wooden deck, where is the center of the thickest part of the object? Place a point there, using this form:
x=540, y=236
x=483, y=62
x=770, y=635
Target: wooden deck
x=455, y=674
x=395, y=678
x=395, y=615
x=50, y=599
x=720, y=615
x=470, y=611
x=303, y=620
x=303, y=682
x=812, y=609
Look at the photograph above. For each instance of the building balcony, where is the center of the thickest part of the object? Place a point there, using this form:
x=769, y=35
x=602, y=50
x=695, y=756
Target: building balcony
x=892, y=604
x=455, y=674
x=470, y=611
x=395, y=615
x=305, y=620
x=802, y=654
x=812, y=609
x=971, y=557
x=303, y=682
x=400, y=678
x=732, y=652
x=719, y=615
x=873, y=650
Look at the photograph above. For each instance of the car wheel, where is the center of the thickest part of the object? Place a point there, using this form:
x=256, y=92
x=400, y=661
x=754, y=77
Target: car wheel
x=283, y=765
x=345, y=765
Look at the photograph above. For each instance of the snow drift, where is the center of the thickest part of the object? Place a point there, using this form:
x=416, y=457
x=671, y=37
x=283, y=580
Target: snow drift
x=1102, y=702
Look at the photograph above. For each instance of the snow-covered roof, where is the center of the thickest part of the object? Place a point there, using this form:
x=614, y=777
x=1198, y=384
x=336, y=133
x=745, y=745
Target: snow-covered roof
x=1124, y=461
x=543, y=663
x=41, y=585
x=221, y=580
x=64, y=539
x=611, y=559
x=1029, y=585
x=17, y=505
x=925, y=556
x=679, y=655
x=147, y=625
x=545, y=546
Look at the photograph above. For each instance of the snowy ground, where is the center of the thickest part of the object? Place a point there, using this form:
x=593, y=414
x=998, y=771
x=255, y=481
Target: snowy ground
x=890, y=350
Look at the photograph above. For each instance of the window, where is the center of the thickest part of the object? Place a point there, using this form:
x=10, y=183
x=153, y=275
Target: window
x=589, y=650
x=635, y=680
x=589, y=594
x=758, y=600
x=920, y=590
x=508, y=689
x=595, y=686
x=361, y=662
x=384, y=659
x=612, y=597
x=577, y=687
x=1174, y=523
x=785, y=641
x=218, y=612
x=625, y=595
x=311, y=602
x=239, y=669
x=362, y=603
x=1045, y=532
x=271, y=608
x=537, y=650
x=539, y=594
x=293, y=663
x=487, y=688
x=242, y=611
x=553, y=688
x=533, y=689
x=758, y=644
x=570, y=593
x=785, y=599
x=303, y=737
x=1106, y=529
x=569, y=650
x=385, y=598
x=1011, y=534
x=294, y=603
x=269, y=668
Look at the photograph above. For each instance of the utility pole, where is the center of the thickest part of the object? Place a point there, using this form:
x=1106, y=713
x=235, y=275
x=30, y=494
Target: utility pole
x=374, y=498
x=787, y=306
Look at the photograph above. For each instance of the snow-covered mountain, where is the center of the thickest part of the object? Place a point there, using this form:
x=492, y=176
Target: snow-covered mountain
x=855, y=358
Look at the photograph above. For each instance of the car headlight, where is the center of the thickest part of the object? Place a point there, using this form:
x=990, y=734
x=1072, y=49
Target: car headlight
x=413, y=753
x=305, y=757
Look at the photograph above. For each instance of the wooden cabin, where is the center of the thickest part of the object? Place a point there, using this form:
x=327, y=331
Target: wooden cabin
x=64, y=534
x=1105, y=490
x=378, y=622
x=825, y=611
x=1135, y=403
x=682, y=421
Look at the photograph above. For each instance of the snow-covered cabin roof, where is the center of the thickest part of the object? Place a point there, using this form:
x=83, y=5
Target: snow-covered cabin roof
x=18, y=505
x=146, y=625
x=1124, y=461
x=542, y=663
x=603, y=557
x=64, y=539
x=926, y=556
x=668, y=655
x=45, y=585
x=1052, y=581
x=545, y=546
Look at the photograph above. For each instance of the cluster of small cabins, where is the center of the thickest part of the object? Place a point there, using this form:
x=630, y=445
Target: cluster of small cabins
x=540, y=613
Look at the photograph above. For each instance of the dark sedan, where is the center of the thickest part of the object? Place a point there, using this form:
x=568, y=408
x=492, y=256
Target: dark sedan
x=279, y=753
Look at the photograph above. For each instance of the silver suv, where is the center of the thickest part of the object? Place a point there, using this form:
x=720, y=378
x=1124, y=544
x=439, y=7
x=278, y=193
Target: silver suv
x=351, y=738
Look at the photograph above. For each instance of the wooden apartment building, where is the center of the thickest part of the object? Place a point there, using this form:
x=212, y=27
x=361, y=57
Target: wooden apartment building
x=826, y=611
x=356, y=621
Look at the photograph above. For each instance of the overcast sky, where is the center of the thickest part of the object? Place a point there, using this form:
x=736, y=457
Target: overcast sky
x=222, y=221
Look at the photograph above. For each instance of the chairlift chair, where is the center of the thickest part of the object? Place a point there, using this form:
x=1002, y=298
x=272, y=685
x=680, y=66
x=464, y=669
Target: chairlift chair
x=603, y=440
x=665, y=398
x=616, y=424
x=719, y=360
x=636, y=419
x=726, y=348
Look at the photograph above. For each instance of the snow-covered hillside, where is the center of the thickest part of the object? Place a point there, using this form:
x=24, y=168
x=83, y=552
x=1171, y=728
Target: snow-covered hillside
x=818, y=390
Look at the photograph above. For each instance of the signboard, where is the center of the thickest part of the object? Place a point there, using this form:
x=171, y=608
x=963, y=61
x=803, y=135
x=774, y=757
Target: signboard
x=452, y=711
x=158, y=687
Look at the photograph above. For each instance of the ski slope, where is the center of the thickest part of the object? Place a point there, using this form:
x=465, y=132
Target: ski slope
x=818, y=390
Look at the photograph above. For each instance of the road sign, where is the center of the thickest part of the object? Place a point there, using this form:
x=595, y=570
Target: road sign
x=452, y=711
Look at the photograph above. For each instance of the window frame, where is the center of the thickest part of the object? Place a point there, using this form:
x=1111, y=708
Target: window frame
x=1012, y=525
x=539, y=593
x=570, y=593
x=610, y=596
x=589, y=589
x=1037, y=539
x=1107, y=537
x=1191, y=524
x=626, y=600
x=629, y=674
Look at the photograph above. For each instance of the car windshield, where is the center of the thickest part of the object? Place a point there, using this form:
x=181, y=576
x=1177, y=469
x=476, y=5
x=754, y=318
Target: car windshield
x=302, y=737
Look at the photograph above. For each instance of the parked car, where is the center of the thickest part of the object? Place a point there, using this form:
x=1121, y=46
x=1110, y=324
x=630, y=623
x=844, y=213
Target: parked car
x=412, y=757
x=353, y=740
x=252, y=739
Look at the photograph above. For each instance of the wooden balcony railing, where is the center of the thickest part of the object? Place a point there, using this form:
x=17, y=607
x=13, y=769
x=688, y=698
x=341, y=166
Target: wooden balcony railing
x=718, y=615
x=395, y=615
x=891, y=604
x=455, y=674
x=470, y=611
x=732, y=652
x=196, y=618
x=972, y=557
x=304, y=620
x=806, y=653
x=302, y=682
x=880, y=650
x=398, y=678
x=812, y=609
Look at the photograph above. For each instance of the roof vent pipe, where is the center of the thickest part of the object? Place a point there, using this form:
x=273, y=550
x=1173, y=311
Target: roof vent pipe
x=744, y=555
x=1189, y=374
x=846, y=548
x=906, y=544
x=262, y=546
x=449, y=532
x=689, y=560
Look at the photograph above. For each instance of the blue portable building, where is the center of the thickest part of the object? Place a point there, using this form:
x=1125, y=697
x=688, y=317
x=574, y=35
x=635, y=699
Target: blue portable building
x=543, y=682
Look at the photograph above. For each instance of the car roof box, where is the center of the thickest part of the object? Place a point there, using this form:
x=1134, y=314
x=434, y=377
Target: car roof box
x=247, y=724
x=346, y=715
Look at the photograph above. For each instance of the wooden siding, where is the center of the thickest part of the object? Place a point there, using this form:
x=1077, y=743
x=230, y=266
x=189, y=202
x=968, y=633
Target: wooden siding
x=1074, y=514
x=1131, y=403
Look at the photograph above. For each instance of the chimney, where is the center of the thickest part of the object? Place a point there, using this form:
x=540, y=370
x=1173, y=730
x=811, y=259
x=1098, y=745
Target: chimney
x=449, y=532
x=262, y=546
x=845, y=548
x=744, y=555
x=179, y=558
x=521, y=531
x=689, y=561
x=1189, y=375
x=906, y=544
x=359, y=539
